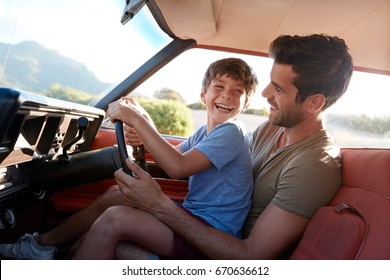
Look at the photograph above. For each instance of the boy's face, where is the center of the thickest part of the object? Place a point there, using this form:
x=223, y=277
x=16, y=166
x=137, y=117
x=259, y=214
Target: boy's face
x=225, y=100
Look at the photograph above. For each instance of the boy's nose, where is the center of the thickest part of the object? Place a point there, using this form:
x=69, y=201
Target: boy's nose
x=227, y=94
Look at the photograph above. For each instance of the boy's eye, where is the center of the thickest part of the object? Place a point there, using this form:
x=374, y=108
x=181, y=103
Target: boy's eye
x=238, y=91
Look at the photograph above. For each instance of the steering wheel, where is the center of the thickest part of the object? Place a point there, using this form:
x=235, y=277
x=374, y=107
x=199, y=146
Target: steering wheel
x=138, y=152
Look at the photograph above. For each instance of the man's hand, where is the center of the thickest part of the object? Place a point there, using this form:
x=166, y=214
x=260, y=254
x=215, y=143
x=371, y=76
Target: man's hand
x=141, y=191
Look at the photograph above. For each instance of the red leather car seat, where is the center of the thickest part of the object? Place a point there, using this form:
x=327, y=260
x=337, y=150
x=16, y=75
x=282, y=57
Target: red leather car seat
x=356, y=224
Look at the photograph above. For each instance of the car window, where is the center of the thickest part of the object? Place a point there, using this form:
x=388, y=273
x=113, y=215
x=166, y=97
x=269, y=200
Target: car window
x=184, y=76
x=359, y=119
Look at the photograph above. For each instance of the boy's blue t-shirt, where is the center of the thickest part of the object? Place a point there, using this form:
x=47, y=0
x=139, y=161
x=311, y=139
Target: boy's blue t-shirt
x=221, y=195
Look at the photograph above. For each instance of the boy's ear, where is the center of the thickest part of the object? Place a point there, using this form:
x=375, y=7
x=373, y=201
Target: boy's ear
x=248, y=101
x=203, y=96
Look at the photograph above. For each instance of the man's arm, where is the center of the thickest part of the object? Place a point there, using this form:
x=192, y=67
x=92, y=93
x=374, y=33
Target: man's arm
x=273, y=233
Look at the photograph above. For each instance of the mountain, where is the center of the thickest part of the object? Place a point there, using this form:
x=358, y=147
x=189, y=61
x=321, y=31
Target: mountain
x=32, y=67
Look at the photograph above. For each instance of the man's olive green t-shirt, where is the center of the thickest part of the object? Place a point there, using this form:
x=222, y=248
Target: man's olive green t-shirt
x=298, y=178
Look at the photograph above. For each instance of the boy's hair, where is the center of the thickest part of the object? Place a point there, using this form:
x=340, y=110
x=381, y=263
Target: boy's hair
x=237, y=69
x=321, y=63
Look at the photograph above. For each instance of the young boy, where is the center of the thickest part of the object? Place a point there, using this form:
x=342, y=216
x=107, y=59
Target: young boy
x=216, y=159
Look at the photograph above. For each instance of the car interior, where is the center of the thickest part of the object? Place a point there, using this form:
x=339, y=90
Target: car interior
x=57, y=156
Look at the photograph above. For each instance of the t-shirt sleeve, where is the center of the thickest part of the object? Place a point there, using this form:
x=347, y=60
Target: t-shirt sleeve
x=307, y=183
x=185, y=145
x=223, y=144
x=193, y=139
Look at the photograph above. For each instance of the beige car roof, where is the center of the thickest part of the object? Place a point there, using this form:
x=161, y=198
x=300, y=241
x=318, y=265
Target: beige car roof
x=250, y=25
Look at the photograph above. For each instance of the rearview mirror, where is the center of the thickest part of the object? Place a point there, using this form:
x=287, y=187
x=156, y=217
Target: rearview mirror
x=132, y=7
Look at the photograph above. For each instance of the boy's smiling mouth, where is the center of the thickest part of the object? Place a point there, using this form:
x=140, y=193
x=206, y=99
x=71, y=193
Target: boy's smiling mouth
x=224, y=108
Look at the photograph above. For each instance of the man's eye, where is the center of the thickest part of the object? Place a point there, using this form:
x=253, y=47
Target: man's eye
x=278, y=89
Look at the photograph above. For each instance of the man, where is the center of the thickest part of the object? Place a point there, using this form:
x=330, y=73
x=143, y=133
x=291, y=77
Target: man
x=296, y=165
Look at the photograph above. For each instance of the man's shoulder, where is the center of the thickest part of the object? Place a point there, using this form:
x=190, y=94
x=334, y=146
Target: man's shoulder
x=318, y=151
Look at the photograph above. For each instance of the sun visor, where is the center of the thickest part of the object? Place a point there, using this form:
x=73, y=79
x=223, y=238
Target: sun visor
x=201, y=24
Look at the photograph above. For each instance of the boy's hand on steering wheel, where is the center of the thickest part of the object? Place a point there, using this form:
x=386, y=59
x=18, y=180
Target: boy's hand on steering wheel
x=132, y=137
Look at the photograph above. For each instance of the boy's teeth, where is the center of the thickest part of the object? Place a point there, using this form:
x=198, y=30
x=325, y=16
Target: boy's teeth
x=223, y=106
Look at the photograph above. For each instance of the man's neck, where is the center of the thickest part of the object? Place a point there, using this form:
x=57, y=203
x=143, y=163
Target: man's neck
x=292, y=135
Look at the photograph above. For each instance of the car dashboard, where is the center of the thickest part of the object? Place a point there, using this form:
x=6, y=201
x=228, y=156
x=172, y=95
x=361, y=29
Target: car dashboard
x=38, y=137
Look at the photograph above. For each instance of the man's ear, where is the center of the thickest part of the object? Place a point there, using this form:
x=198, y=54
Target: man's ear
x=316, y=102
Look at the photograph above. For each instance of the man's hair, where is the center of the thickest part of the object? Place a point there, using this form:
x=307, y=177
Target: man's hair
x=237, y=69
x=321, y=63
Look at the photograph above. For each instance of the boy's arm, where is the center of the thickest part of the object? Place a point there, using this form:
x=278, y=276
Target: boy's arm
x=171, y=160
x=168, y=157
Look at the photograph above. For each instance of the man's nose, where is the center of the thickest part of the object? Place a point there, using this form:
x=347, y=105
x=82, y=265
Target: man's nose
x=267, y=92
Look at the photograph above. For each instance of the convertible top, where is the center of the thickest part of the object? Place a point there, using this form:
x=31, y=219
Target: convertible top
x=228, y=24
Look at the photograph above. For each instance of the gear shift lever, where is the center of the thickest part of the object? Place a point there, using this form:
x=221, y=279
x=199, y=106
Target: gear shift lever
x=82, y=124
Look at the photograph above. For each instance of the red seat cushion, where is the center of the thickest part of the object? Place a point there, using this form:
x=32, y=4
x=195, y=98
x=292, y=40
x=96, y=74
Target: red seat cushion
x=365, y=188
x=332, y=234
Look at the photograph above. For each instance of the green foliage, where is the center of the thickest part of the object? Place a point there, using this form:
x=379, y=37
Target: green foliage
x=362, y=122
x=68, y=94
x=259, y=112
x=197, y=106
x=170, y=117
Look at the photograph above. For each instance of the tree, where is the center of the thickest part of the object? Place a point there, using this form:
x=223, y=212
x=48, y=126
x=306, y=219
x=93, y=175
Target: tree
x=170, y=117
x=261, y=112
x=168, y=94
x=197, y=106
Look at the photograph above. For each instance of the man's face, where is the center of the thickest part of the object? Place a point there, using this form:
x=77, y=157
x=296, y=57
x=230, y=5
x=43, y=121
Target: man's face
x=281, y=95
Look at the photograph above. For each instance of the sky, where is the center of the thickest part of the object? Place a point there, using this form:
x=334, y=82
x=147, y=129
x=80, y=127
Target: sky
x=35, y=20
x=22, y=20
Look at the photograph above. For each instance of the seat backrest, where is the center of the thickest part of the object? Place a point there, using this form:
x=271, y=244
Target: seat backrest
x=356, y=223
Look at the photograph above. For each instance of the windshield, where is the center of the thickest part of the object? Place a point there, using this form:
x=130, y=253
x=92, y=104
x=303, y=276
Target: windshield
x=360, y=118
x=78, y=50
